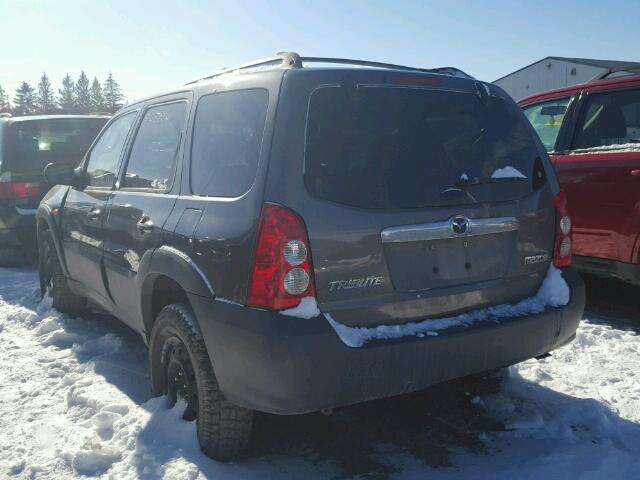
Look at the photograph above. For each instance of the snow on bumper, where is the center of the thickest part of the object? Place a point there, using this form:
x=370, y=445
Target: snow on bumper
x=554, y=292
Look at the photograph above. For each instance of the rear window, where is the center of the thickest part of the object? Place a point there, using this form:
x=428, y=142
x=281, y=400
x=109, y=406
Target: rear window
x=401, y=148
x=32, y=144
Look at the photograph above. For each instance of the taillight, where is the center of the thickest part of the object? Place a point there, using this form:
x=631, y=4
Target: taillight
x=562, y=246
x=19, y=189
x=282, y=273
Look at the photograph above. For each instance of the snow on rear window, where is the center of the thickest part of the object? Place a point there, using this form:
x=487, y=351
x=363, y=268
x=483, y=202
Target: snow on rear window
x=507, y=172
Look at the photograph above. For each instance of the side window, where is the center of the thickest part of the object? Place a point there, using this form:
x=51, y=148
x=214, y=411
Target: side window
x=152, y=160
x=227, y=137
x=546, y=118
x=103, y=159
x=610, y=119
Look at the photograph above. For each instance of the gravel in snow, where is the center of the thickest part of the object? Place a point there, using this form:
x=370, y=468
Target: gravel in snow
x=74, y=402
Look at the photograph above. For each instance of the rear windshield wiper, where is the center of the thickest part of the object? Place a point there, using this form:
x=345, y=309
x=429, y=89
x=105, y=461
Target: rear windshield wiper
x=466, y=182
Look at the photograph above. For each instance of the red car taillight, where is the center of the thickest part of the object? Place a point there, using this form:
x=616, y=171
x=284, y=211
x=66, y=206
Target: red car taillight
x=19, y=189
x=563, y=242
x=282, y=273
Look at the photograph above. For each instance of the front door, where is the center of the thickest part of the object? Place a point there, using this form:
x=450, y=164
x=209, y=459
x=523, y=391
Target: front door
x=601, y=176
x=84, y=211
x=140, y=206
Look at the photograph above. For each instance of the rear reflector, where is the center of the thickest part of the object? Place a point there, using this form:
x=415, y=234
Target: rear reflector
x=19, y=189
x=281, y=274
x=562, y=244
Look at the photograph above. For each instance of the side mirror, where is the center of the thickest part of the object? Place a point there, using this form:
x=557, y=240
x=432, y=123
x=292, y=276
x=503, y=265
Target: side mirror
x=60, y=174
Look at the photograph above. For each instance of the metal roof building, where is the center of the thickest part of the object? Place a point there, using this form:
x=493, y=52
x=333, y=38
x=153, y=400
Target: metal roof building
x=554, y=72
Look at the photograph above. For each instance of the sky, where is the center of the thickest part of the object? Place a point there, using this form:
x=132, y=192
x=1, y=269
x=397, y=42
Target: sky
x=152, y=46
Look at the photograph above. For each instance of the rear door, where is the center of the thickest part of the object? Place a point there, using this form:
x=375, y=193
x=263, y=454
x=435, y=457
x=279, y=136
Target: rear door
x=84, y=209
x=145, y=197
x=600, y=173
x=422, y=199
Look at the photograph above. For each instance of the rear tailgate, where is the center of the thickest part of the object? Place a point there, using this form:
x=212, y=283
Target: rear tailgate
x=419, y=201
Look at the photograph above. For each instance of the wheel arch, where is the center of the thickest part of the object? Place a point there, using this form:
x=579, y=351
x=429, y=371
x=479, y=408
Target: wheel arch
x=45, y=222
x=171, y=277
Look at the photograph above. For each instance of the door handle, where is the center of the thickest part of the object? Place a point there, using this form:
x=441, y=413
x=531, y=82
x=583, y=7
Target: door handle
x=145, y=225
x=635, y=173
x=93, y=214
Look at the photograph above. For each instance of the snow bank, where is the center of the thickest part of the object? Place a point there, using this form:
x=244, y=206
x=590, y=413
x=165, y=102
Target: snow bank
x=554, y=292
x=507, y=172
x=575, y=414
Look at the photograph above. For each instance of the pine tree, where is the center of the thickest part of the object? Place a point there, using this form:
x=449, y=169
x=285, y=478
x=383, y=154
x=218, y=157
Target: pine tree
x=97, y=98
x=5, y=107
x=113, y=97
x=83, y=94
x=45, y=99
x=67, y=96
x=24, y=101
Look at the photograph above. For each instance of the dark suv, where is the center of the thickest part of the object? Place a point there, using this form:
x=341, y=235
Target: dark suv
x=290, y=239
x=27, y=144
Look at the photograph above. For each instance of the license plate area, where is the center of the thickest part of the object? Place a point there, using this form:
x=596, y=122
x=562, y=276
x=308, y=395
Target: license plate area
x=422, y=265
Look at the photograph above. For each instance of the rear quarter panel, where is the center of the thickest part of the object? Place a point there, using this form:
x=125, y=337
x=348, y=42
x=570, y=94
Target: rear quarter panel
x=219, y=233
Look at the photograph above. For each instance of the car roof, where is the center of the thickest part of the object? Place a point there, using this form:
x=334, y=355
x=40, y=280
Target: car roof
x=283, y=62
x=626, y=81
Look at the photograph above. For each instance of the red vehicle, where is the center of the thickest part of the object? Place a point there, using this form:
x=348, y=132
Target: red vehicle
x=592, y=134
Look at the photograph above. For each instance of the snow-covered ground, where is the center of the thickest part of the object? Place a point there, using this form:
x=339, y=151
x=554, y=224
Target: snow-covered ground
x=74, y=401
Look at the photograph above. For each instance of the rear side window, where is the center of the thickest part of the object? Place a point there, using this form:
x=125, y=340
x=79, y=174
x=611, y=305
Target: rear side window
x=396, y=148
x=103, y=159
x=227, y=138
x=546, y=118
x=154, y=152
x=610, y=119
x=32, y=144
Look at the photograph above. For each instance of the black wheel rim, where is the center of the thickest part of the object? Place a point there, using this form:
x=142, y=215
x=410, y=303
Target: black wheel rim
x=181, y=378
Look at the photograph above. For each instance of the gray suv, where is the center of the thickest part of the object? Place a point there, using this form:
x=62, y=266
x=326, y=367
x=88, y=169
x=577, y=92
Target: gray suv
x=288, y=239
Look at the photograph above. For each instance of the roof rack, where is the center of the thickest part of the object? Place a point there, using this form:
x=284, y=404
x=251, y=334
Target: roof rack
x=293, y=60
x=627, y=67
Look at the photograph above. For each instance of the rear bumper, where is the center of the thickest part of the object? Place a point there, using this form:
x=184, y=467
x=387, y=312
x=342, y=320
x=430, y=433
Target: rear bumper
x=628, y=272
x=17, y=228
x=268, y=362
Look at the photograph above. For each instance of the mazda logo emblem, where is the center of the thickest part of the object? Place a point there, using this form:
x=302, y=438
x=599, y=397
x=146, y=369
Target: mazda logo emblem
x=460, y=225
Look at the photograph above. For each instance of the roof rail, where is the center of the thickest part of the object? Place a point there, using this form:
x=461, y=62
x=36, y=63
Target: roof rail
x=293, y=60
x=279, y=60
x=627, y=67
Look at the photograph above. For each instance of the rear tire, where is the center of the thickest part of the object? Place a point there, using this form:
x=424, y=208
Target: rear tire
x=53, y=280
x=181, y=368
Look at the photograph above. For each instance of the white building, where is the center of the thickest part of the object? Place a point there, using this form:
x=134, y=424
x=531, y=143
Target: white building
x=554, y=72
